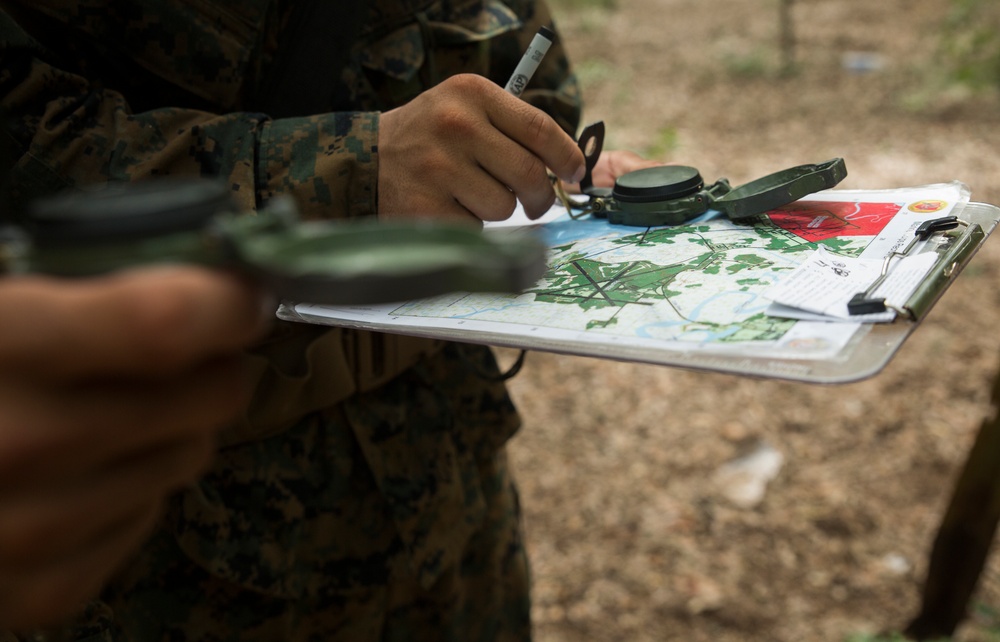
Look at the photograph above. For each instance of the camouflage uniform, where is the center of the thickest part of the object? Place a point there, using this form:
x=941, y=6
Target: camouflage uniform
x=366, y=494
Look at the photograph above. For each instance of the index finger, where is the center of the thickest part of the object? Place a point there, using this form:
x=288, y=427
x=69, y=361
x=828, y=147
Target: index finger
x=152, y=322
x=538, y=132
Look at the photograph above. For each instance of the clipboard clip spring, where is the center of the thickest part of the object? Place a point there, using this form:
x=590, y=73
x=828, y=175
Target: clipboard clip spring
x=864, y=302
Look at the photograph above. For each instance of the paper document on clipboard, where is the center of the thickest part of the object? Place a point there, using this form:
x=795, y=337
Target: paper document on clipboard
x=821, y=288
x=696, y=295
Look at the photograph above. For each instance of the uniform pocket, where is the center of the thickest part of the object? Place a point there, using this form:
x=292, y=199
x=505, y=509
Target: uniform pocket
x=443, y=41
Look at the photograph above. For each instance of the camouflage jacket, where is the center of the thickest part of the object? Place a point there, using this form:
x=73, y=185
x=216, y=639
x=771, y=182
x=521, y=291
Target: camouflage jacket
x=100, y=90
x=176, y=88
x=97, y=93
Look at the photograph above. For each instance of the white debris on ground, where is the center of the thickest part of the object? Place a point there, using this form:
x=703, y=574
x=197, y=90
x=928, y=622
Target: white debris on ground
x=743, y=481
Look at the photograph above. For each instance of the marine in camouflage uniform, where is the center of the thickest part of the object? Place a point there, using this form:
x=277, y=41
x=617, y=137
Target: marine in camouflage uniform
x=365, y=495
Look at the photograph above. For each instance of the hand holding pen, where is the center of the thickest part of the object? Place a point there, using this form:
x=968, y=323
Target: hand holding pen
x=469, y=150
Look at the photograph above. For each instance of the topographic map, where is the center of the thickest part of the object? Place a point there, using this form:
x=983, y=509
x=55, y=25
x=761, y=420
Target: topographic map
x=700, y=282
x=693, y=294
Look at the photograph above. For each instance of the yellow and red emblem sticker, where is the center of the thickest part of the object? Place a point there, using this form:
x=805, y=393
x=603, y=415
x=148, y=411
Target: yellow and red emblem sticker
x=928, y=206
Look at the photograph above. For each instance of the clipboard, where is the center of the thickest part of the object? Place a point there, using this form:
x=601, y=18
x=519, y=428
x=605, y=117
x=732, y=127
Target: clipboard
x=853, y=351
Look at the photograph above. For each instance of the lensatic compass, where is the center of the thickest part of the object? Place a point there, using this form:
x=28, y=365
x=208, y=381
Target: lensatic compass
x=674, y=194
x=354, y=261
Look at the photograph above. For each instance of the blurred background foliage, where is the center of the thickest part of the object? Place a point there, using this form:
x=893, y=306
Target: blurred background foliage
x=968, y=48
x=970, y=45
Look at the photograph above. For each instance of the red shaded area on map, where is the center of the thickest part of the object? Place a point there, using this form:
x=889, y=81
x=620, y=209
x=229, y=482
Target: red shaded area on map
x=820, y=220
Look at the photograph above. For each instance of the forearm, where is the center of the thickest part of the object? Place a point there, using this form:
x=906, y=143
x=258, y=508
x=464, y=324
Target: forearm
x=328, y=162
x=68, y=132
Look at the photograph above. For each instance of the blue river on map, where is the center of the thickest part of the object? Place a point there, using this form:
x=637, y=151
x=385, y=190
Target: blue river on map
x=567, y=230
x=499, y=308
x=646, y=330
x=704, y=335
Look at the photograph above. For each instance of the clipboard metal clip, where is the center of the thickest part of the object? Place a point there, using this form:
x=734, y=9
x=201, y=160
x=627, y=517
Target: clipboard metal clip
x=864, y=302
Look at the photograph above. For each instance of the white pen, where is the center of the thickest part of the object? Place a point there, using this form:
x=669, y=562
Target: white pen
x=529, y=62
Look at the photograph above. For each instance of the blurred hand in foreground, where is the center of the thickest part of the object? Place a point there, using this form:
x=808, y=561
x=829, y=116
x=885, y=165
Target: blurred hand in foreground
x=111, y=392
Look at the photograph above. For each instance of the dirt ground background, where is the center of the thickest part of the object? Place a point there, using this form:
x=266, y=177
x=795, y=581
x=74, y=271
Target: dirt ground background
x=630, y=531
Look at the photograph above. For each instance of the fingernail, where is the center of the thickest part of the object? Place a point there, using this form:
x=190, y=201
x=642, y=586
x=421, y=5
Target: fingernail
x=579, y=174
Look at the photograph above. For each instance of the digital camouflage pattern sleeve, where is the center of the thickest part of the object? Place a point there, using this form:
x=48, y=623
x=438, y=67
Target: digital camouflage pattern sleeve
x=74, y=126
